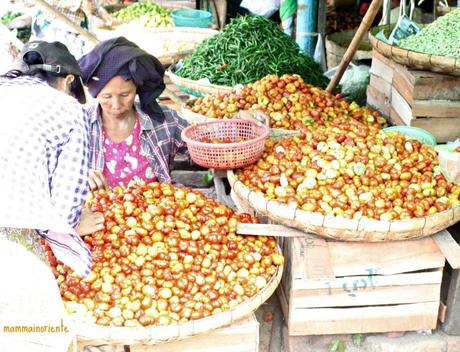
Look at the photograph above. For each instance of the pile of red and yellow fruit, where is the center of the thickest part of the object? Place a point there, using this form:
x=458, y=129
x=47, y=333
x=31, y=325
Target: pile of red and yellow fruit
x=288, y=101
x=353, y=170
x=167, y=255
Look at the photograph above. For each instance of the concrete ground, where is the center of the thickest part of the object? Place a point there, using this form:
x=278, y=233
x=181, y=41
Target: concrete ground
x=274, y=338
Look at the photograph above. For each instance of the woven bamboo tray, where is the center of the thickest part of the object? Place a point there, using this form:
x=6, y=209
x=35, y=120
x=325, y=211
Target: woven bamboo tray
x=101, y=335
x=193, y=117
x=153, y=40
x=367, y=230
x=414, y=59
x=337, y=44
x=195, y=88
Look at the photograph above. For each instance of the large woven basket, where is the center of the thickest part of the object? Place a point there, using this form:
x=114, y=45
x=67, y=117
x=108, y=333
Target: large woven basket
x=196, y=88
x=192, y=117
x=413, y=59
x=366, y=230
x=153, y=40
x=337, y=44
x=101, y=335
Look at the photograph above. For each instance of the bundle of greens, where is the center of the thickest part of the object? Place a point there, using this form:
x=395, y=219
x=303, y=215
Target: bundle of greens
x=442, y=37
x=249, y=48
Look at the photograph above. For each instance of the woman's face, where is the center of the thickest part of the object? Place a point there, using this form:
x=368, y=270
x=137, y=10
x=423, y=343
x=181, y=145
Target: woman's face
x=117, y=97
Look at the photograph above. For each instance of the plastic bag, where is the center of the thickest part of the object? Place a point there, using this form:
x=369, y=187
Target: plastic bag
x=264, y=8
x=353, y=83
x=319, y=56
x=449, y=161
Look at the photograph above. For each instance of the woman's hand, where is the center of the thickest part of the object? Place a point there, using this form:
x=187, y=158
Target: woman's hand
x=97, y=180
x=89, y=222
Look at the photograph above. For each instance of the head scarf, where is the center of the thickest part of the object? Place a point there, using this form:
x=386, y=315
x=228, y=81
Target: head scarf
x=120, y=57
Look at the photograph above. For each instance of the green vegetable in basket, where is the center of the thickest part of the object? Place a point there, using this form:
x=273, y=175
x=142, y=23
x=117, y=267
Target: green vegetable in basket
x=148, y=14
x=249, y=48
x=9, y=16
x=442, y=37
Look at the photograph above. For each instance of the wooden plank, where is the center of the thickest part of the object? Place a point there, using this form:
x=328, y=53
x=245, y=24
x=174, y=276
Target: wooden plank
x=271, y=230
x=380, y=85
x=435, y=108
x=404, y=83
x=378, y=101
x=426, y=85
x=324, y=321
x=444, y=129
x=398, y=257
x=382, y=67
x=452, y=323
x=241, y=336
x=442, y=312
x=376, y=297
x=401, y=106
x=367, y=282
x=311, y=258
x=370, y=290
x=449, y=248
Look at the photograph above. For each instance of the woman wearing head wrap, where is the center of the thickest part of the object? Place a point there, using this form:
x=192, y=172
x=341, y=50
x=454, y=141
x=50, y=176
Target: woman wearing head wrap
x=129, y=138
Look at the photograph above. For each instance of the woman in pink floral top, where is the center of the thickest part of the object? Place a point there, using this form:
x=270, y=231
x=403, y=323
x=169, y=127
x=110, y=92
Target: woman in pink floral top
x=129, y=139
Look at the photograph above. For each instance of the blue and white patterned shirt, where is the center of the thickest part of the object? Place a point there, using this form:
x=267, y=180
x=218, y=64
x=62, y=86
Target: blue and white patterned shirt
x=44, y=154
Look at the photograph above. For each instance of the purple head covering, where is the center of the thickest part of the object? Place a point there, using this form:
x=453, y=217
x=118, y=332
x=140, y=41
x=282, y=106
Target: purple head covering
x=120, y=57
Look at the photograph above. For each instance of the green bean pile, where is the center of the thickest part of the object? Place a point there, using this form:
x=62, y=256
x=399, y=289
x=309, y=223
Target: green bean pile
x=249, y=48
x=442, y=37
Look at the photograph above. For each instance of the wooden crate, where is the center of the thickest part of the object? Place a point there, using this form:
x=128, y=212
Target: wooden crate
x=333, y=287
x=450, y=307
x=415, y=98
x=241, y=336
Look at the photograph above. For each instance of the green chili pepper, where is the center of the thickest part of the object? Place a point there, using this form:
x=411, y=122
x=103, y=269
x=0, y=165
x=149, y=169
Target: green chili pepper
x=251, y=47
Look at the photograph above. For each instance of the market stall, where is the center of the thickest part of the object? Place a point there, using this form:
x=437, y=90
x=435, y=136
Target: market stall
x=345, y=218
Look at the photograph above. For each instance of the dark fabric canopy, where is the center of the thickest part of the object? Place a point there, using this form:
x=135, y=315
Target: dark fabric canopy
x=119, y=56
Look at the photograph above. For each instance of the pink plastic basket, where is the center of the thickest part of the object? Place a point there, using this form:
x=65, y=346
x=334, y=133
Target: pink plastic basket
x=225, y=155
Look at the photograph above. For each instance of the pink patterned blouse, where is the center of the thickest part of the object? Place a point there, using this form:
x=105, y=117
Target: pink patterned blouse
x=125, y=160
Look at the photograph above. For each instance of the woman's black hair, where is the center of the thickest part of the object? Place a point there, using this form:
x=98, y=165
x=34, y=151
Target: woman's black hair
x=51, y=78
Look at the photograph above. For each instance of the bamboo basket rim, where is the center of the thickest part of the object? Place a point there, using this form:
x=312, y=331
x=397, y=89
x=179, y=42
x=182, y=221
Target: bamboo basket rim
x=152, y=335
x=434, y=63
x=201, y=87
x=343, y=229
x=193, y=117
